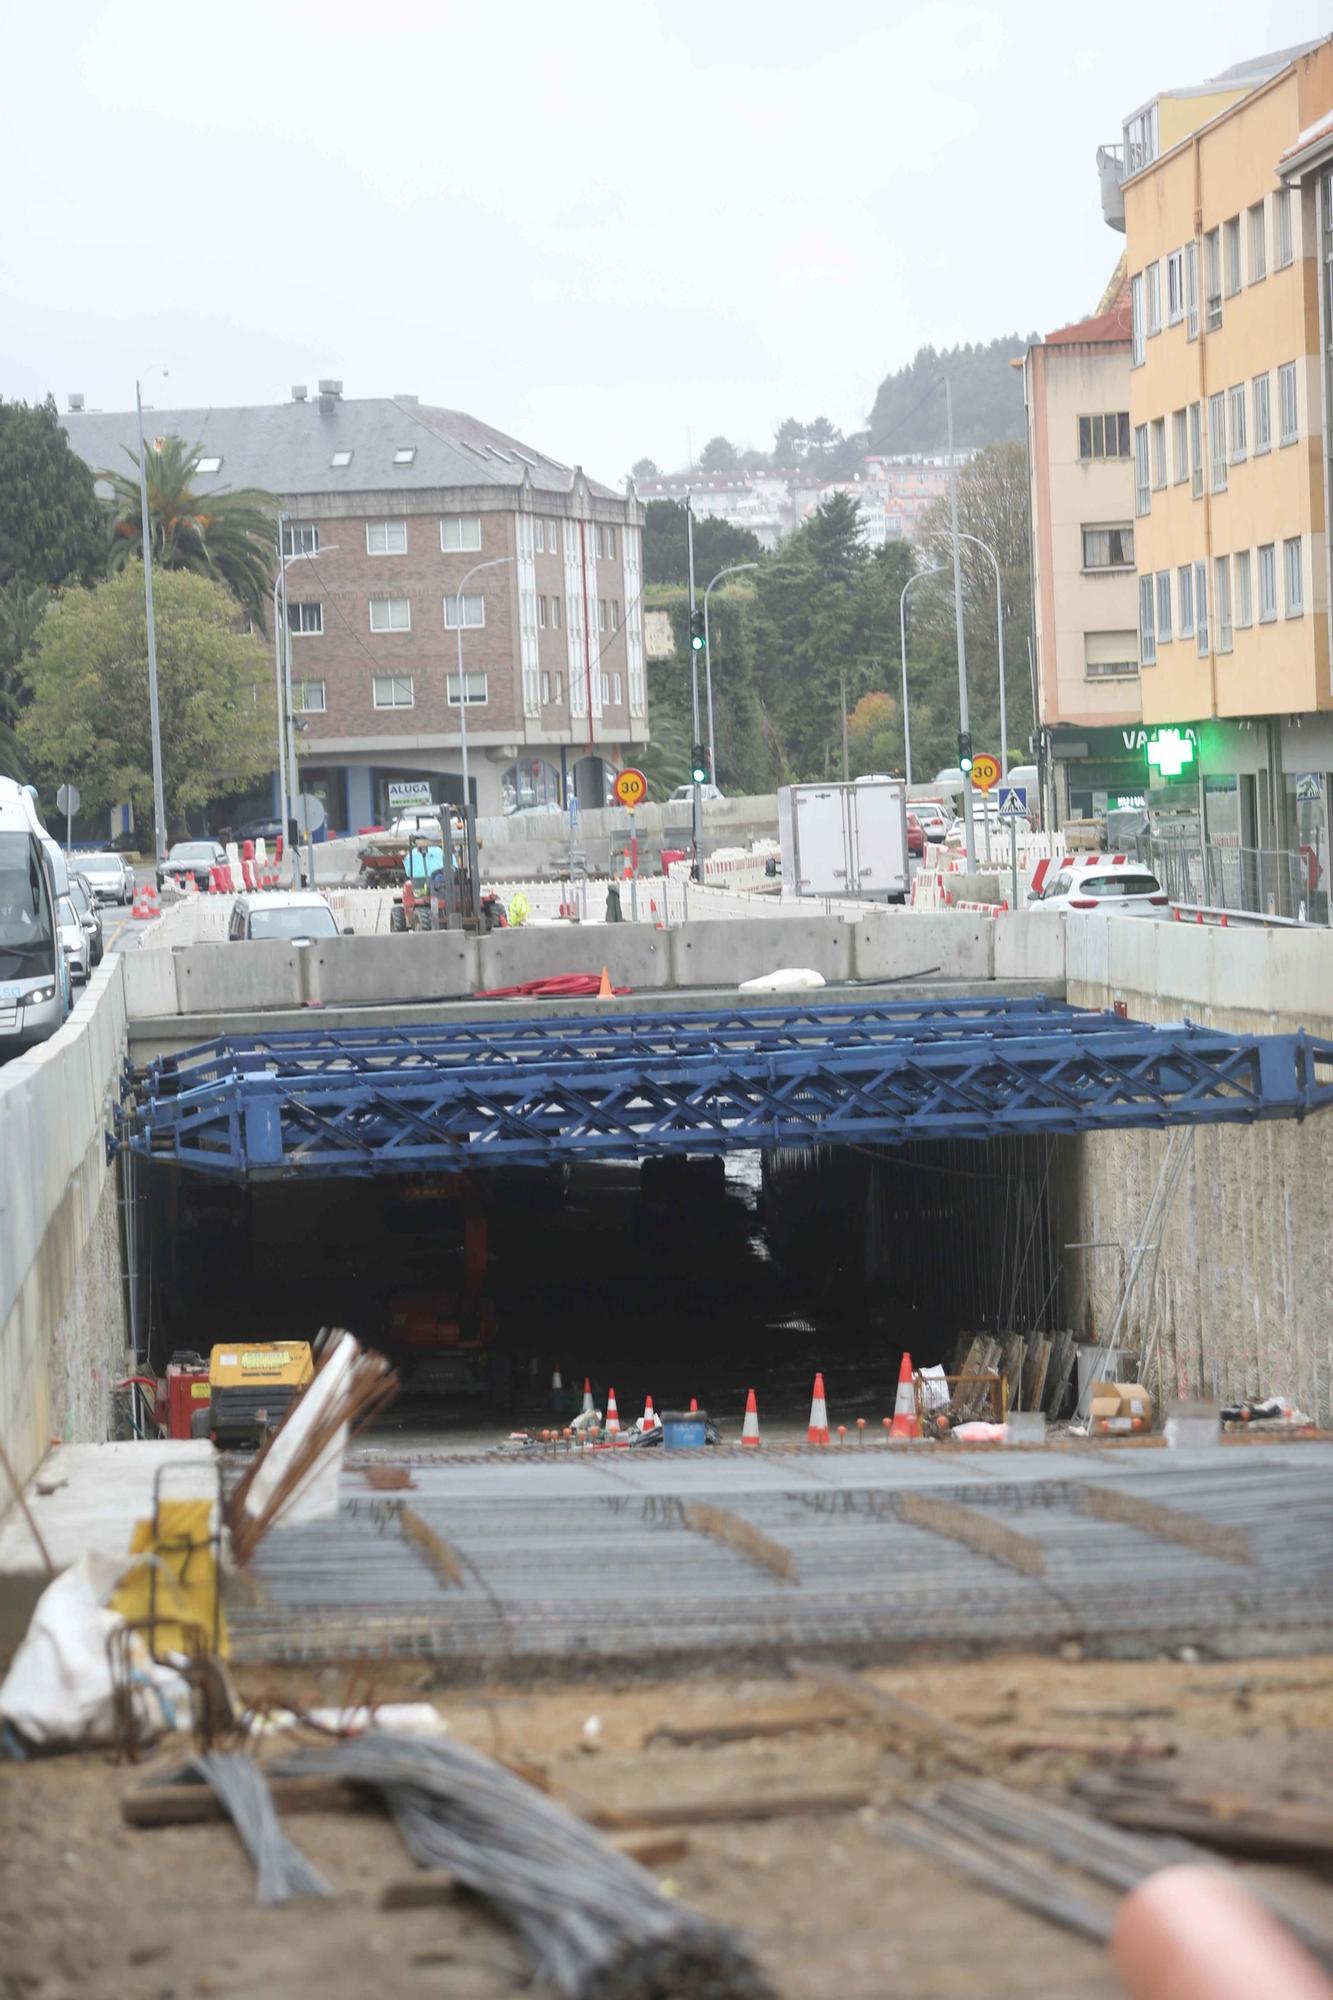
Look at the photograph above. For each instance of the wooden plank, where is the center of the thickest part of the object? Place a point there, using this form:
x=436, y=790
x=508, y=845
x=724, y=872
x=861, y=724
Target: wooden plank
x=193, y=1804
x=743, y=1732
x=430, y=1890
x=1040, y=1374
x=975, y=1530
x=737, y=1533
x=721, y=1812
x=1168, y=1524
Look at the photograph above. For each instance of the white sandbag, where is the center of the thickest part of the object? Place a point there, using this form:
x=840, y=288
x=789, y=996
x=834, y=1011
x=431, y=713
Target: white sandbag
x=789, y=979
x=58, y=1688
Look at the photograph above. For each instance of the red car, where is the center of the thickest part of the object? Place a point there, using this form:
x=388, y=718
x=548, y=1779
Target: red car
x=916, y=836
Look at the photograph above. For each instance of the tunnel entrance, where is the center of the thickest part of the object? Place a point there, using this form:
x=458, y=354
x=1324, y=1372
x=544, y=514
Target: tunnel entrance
x=672, y=1278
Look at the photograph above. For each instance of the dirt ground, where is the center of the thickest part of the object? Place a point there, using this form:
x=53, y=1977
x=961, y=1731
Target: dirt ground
x=89, y=1907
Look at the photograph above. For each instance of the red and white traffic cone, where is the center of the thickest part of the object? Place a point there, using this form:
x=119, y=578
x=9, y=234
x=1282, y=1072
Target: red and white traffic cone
x=649, y=1420
x=557, y=1391
x=818, y=1430
x=906, y=1423
x=588, y=1403
x=750, y=1428
x=612, y=1415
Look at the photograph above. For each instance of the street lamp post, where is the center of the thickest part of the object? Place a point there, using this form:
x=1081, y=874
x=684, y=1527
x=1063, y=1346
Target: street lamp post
x=493, y=563
x=154, y=716
x=696, y=796
x=999, y=642
x=937, y=569
x=730, y=570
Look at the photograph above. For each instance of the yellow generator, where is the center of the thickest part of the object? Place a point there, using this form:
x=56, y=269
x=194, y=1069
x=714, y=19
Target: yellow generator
x=252, y=1387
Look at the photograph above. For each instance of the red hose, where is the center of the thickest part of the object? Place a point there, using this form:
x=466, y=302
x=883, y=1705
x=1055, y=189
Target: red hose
x=563, y=986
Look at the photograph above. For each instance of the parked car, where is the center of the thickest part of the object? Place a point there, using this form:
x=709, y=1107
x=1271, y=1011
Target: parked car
x=935, y=817
x=916, y=836
x=416, y=820
x=110, y=876
x=282, y=916
x=268, y=830
x=191, y=858
x=73, y=940
x=1113, y=883
x=85, y=905
x=709, y=792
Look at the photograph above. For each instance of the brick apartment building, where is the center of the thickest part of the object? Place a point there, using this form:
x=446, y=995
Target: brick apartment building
x=390, y=503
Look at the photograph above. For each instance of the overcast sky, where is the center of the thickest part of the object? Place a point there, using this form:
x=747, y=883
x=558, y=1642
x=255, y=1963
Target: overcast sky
x=601, y=227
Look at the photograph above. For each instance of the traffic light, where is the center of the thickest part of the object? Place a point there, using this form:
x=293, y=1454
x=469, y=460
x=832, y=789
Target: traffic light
x=698, y=765
x=965, y=752
x=696, y=631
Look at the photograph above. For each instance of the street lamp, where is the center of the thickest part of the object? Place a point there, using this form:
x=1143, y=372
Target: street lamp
x=493, y=563
x=937, y=569
x=730, y=570
x=999, y=642
x=154, y=716
x=289, y=784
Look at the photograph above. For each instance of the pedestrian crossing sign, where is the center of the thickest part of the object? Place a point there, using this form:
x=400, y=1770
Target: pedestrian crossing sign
x=1014, y=802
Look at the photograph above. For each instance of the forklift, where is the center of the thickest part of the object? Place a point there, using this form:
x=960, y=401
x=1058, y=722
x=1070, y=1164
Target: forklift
x=442, y=883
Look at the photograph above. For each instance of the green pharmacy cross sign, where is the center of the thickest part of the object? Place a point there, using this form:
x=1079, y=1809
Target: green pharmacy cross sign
x=1170, y=752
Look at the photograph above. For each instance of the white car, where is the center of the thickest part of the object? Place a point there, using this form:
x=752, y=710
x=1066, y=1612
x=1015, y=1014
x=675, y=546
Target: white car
x=418, y=820
x=1109, y=882
x=709, y=793
x=73, y=941
x=281, y=916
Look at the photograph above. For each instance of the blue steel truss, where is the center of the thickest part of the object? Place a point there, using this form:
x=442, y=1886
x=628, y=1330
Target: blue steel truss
x=544, y=1091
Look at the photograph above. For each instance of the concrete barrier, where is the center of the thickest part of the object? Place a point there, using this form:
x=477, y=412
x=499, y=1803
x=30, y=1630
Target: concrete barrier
x=358, y=971
x=62, y=1329
x=724, y=954
x=1030, y=947
x=920, y=942
x=634, y=954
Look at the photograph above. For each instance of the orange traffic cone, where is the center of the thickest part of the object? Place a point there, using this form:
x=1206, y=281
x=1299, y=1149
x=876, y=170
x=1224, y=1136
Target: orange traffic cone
x=818, y=1430
x=906, y=1423
x=612, y=1414
x=694, y=1405
x=587, y=1395
x=750, y=1428
x=648, y=1421
x=606, y=991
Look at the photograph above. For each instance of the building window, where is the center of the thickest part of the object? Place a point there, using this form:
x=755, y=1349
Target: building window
x=1236, y=413
x=541, y=614
x=1263, y=417
x=474, y=610
x=1105, y=435
x=306, y=620
x=1217, y=438
x=553, y=537
x=1185, y=600
x=300, y=538
x=393, y=690
x=460, y=531
x=1222, y=601
x=386, y=538
x=1244, y=600
x=1157, y=440
x=1201, y=608
x=391, y=614
x=1136, y=320
x=1180, y=445
x=546, y=688
x=1152, y=286
x=475, y=684
x=1282, y=228
x=617, y=690
x=1258, y=244
x=1140, y=136
x=1164, y=606
x=1108, y=548
x=1291, y=577
x=308, y=697
x=1231, y=254
x=1111, y=670
x=1286, y=403
x=1175, y=288
x=1191, y=291
x=1147, y=630
x=1212, y=280
x=1196, y=449
x=1142, y=490
x=1267, y=583
x=603, y=540
x=606, y=690
x=538, y=536
x=555, y=613
x=341, y=460
x=405, y=454
x=601, y=614
x=615, y=617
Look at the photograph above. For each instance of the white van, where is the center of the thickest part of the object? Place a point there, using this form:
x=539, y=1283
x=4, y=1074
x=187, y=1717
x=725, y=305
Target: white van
x=34, y=977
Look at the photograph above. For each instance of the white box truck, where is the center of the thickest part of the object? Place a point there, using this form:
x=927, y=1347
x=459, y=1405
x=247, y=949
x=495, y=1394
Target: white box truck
x=845, y=840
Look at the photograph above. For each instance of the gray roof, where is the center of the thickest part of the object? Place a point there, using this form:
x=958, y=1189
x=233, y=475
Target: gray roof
x=288, y=448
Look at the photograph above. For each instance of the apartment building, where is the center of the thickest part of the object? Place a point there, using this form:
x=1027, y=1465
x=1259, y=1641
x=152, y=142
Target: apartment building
x=1229, y=442
x=1085, y=594
x=401, y=521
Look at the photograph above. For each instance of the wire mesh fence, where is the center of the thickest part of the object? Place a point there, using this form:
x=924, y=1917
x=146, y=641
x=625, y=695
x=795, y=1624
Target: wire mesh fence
x=1270, y=882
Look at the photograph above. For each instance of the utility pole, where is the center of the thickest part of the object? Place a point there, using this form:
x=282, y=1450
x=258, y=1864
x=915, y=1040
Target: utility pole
x=154, y=718
x=963, y=722
x=842, y=700
x=697, y=799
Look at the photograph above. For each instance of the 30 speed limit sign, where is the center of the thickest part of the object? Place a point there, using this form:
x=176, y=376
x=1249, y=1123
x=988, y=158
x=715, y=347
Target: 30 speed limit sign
x=631, y=788
x=985, y=771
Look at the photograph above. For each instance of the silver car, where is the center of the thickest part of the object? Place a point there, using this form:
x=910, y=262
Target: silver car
x=73, y=941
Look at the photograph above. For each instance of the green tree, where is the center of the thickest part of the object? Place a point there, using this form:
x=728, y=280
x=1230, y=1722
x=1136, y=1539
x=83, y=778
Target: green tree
x=909, y=414
x=875, y=735
x=644, y=468
x=665, y=547
x=719, y=455
x=88, y=717
x=22, y=608
x=226, y=536
x=748, y=756
x=50, y=528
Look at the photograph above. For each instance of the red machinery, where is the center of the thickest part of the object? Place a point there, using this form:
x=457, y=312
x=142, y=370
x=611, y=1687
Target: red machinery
x=445, y=1339
x=180, y=1398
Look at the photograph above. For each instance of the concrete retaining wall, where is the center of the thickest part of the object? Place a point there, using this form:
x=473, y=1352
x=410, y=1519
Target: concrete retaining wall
x=1241, y=1291
x=62, y=1313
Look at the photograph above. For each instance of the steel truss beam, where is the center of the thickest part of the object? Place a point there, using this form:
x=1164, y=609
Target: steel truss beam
x=227, y=1111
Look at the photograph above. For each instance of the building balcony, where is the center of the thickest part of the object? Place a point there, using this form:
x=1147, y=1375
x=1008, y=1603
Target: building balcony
x=1111, y=168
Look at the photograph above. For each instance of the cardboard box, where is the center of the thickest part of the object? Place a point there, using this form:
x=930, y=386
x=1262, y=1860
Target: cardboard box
x=1119, y=1406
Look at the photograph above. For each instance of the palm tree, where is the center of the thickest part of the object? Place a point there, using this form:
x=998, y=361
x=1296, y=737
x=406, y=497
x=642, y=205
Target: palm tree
x=226, y=536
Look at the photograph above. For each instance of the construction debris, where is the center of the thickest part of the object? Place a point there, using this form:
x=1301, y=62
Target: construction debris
x=281, y=1870
x=1265, y=1825
x=592, y=1922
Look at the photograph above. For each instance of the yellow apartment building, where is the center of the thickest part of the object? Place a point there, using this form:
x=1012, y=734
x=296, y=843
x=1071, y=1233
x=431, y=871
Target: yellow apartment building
x=1228, y=408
